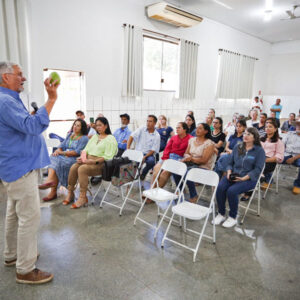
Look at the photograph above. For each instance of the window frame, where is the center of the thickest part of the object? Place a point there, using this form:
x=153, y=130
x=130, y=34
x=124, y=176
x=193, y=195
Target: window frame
x=163, y=39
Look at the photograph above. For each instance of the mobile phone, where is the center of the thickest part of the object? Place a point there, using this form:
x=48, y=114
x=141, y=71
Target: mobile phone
x=92, y=120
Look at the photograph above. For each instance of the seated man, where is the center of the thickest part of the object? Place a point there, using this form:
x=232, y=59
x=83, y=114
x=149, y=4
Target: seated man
x=261, y=125
x=292, y=153
x=147, y=140
x=254, y=118
x=287, y=125
x=122, y=134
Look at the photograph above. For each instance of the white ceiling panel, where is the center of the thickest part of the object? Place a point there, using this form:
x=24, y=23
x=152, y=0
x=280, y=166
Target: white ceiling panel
x=248, y=16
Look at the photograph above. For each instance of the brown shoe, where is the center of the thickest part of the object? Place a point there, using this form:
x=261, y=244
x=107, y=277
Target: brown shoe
x=296, y=190
x=36, y=276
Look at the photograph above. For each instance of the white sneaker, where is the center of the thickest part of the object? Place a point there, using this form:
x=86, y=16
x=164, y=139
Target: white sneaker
x=218, y=219
x=230, y=222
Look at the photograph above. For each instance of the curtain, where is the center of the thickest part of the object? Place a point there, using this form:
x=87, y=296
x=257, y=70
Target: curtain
x=235, y=76
x=133, y=61
x=14, y=44
x=188, y=69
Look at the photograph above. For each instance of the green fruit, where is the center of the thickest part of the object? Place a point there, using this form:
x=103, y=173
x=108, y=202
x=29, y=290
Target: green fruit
x=54, y=76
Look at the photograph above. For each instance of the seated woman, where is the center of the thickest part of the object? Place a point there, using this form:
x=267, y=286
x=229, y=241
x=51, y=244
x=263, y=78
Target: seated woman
x=200, y=153
x=245, y=164
x=190, y=121
x=274, y=150
x=217, y=135
x=175, y=149
x=64, y=157
x=164, y=131
x=234, y=139
x=102, y=146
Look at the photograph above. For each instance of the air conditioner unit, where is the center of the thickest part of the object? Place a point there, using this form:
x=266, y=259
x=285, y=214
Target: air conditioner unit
x=173, y=15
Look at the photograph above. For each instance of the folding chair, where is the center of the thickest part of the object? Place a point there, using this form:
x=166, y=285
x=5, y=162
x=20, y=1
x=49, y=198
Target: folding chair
x=256, y=189
x=275, y=173
x=160, y=195
x=133, y=155
x=194, y=211
x=212, y=167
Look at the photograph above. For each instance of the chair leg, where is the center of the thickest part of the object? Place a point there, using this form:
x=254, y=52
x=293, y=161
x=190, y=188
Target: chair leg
x=200, y=237
x=140, y=210
x=162, y=218
x=96, y=194
x=214, y=226
x=125, y=200
x=165, y=235
x=249, y=203
x=104, y=196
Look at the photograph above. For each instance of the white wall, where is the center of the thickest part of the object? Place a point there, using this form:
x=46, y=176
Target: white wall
x=88, y=36
x=284, y=77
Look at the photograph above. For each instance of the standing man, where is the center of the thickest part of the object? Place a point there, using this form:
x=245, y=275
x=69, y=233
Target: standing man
x=122, y=134
x=147, y=140
x=277, y=108
x=23, y=152
x=256, y=104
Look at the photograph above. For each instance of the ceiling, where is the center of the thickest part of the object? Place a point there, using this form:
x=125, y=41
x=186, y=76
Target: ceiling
x=248, y=16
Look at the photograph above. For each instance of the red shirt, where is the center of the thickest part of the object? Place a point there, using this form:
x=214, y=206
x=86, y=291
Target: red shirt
x=176, y=145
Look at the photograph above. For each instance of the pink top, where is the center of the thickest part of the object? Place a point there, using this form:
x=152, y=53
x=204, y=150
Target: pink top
x=274, y=149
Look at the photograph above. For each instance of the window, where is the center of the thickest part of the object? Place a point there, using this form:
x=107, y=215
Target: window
x=161, y=64
x=71, y=97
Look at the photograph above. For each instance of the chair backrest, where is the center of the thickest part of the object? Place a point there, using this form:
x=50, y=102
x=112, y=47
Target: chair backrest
x=174, y=166
x=134, y=155
x=52, y=143
x=203, y=176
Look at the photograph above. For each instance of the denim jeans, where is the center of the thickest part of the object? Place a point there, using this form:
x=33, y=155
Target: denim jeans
x=150, y=163
x=231, y=190
x=297, y=164
x=269, y=169
x=190, y=184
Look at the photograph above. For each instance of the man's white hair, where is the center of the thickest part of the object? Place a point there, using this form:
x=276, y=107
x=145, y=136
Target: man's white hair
x=6, y=67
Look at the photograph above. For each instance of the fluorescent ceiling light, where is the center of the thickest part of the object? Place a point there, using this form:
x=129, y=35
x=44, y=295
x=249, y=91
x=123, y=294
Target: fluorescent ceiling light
x=222, y=4
x=268, y=15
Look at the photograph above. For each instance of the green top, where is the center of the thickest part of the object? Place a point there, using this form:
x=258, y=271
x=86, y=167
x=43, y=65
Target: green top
x=211, y=128
x=107, y=148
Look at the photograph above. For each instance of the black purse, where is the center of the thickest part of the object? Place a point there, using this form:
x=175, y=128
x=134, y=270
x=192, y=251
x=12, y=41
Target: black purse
x=112, y=167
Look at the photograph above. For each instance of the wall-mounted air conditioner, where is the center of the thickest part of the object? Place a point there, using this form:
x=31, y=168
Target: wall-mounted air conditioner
x=173, y=15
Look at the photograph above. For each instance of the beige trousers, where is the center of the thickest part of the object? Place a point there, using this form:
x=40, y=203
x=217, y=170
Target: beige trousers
x=22, y=221
x=81, y=172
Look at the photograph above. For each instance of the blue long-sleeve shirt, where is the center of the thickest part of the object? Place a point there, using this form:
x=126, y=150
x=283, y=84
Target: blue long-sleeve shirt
x=251, y=163
x=122, y=134
x=22, y=147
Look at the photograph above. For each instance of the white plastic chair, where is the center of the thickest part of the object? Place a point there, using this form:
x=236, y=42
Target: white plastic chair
x=276, y=174
x=256, y=189
x=194, y=211
x=160, y=195
x=212, y=167
x=136, y=156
